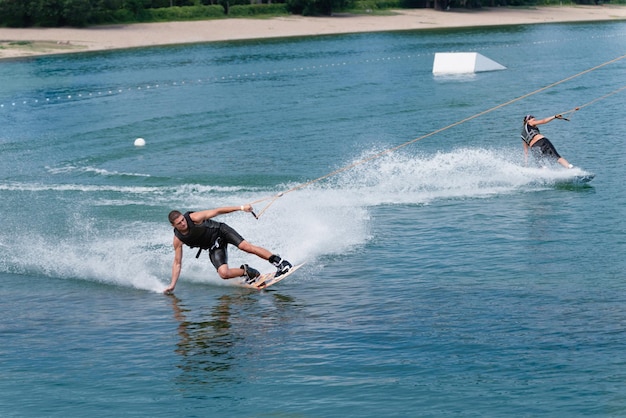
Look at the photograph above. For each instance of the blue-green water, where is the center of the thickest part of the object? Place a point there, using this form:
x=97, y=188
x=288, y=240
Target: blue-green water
x=443, y=279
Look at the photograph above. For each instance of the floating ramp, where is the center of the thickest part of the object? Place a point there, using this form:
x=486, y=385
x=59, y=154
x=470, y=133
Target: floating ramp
x=463, y=63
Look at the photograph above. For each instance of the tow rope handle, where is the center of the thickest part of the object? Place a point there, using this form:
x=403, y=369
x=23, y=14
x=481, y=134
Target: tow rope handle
x=560, y=115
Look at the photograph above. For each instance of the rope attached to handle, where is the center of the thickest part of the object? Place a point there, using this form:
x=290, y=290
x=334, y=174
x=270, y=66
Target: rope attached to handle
x=393, y=149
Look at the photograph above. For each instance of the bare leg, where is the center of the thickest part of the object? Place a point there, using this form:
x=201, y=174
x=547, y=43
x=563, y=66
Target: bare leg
x=254, y=249
x=227, y=273
x=564, y=162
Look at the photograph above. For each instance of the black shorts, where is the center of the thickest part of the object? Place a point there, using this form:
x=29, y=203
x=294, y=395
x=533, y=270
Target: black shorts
x=218, y=253
x=544, y=148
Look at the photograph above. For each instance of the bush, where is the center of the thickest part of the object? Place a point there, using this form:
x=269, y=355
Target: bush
x=113, y=17
x=296, y=6
x=258, y=10
x=13, y=14
x=77, y=13
x=376, y=4
x=46, y=13
x=184, y=13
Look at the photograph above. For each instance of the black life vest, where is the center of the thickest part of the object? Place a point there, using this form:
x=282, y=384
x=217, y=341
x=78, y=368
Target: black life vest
x=528, y=133
x=204, y=235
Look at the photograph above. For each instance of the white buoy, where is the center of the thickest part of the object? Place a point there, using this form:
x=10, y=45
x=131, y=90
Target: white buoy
x=140, y=142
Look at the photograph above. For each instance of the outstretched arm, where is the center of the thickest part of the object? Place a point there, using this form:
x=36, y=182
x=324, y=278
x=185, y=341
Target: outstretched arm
x=203, y=215
x=177, y=265
x=535, y=122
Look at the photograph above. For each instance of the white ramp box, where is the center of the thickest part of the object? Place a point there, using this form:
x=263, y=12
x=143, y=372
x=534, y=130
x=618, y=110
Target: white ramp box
x=463, y=63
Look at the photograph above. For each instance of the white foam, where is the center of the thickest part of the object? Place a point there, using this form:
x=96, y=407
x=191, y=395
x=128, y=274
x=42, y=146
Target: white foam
x=326, y=219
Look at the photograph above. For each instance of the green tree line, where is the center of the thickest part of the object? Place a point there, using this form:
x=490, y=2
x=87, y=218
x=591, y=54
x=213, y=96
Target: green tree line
x=80, y=13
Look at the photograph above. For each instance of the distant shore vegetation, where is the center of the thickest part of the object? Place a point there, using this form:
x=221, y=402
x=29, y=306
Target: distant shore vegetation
x=83, y=13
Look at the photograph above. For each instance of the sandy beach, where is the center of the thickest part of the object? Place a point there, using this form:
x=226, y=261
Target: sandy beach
x=18, y=43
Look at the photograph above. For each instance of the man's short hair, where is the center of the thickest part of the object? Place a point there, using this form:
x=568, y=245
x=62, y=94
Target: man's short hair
x=173, y=216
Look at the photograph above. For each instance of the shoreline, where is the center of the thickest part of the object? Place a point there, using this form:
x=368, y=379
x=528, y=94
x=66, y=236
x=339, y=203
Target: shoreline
x=16, y=43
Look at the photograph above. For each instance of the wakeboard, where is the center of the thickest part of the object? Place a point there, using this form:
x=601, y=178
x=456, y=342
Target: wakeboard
x=585, y=178
x=578, y=179
x=266, y=280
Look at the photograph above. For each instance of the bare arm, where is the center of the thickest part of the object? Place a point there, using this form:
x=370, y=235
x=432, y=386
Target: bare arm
x=535, y=122
x=525, y=151
x=177, y=265
x=203, y=215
